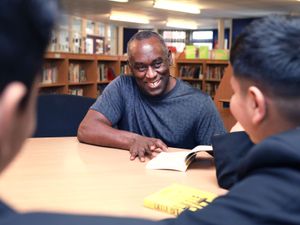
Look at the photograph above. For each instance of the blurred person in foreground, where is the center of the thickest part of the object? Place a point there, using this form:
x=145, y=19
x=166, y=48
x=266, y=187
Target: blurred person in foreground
x=25, y=29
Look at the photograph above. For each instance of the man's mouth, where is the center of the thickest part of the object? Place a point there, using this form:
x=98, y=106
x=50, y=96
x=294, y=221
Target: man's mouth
x=154, y=84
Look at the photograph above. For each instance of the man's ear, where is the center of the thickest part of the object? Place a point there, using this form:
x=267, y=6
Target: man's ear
x=10, y=100
x=170, y=58
x=129, y=65
x=257, y=104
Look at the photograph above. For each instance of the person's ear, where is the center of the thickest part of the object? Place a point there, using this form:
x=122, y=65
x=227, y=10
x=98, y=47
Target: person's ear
x=170, y=58
x=10, y=100
x=129, y=65
x=257, y=105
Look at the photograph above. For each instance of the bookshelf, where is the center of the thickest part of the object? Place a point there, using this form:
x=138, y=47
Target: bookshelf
x=108, y=67
x=124, y=68
x=54, y=77
x=81, y=74
x=203, y=74
x=89, y=74
x=222, y=99
x=77, y=74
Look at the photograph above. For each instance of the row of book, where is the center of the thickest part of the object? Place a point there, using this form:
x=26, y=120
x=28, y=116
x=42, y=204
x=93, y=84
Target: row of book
x=76, y=91
x=191, y=71
x=79, y=35
x=125, y=69
x=105, y=72
x=77, y=73
x=196, y=71
x=211, y=88
x=215, y=72
x=49, y=75
x=80, y=92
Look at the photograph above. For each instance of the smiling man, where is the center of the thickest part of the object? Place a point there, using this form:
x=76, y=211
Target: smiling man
x=151, y=110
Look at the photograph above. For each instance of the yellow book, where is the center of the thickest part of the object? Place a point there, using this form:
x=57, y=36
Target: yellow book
x=190, y=52
x=203, y=52
x=176, y=198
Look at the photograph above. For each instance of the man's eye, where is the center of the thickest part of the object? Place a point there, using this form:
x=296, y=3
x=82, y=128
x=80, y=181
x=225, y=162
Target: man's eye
x=141, y=68
x=157, y=65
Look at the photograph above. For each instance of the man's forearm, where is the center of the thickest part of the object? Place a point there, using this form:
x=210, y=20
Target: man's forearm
x=106, y=136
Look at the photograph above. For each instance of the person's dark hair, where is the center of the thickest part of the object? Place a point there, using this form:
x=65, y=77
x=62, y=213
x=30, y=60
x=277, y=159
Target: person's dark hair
x=146, y=34
x=267, y=53
x=25, y=30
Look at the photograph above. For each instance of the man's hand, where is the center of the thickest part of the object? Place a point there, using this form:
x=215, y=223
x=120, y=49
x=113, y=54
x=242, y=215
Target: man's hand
x=143, y=146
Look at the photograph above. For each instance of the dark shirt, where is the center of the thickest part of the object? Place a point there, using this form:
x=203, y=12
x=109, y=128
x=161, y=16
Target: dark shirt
x=182, y=118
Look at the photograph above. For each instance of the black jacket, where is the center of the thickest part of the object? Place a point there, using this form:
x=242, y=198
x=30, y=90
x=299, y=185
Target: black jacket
x=263, y=182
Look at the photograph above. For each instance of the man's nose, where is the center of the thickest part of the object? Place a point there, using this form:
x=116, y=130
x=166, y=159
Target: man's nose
x=150, y=72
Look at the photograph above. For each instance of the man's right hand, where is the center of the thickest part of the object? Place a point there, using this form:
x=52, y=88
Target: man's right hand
x=143, y=146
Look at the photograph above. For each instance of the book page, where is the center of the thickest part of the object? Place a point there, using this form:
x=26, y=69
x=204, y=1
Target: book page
x=176, y=160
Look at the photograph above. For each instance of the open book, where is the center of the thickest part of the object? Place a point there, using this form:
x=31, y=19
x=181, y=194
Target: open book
x=175, y=198
x=176, y=160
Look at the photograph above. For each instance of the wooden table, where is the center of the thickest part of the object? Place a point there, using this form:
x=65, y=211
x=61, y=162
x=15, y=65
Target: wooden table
x=63, y=175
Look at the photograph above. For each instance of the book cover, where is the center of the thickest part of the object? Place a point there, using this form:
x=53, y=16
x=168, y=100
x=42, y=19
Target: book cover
x=176, y=198
x=204, y=52
x=221, y=54
x=176, y=160
x=190, y=52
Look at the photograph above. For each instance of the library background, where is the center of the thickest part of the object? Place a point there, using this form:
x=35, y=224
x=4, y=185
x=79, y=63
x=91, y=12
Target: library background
x=85, y=55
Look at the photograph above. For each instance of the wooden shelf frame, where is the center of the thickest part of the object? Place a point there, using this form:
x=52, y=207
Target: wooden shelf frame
x=205, y=83
x=62, y=84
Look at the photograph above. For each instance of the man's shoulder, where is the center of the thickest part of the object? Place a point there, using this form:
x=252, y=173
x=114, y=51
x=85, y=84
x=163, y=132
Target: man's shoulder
x=125, y=79
x=122, y=82
x=192, y=92
x=185, y=86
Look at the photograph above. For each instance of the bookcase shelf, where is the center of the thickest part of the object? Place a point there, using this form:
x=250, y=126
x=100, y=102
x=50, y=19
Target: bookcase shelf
x=222, y=99
x=78, y=74
x=52, y=85
x=203, y=74
x=191, y=79
x=103, y=82
x=80, y=83
x=89, y=74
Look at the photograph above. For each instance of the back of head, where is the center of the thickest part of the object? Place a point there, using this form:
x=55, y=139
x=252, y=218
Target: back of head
x=267, y=53
x=25, y=29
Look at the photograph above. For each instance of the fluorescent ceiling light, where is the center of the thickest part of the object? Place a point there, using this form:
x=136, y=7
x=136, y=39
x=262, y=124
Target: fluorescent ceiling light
x=182, y=24
x=176, y=6
x=118, y=0
x=128, y=17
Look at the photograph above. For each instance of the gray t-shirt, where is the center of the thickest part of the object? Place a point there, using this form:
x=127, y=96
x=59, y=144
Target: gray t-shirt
x=182, y=118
